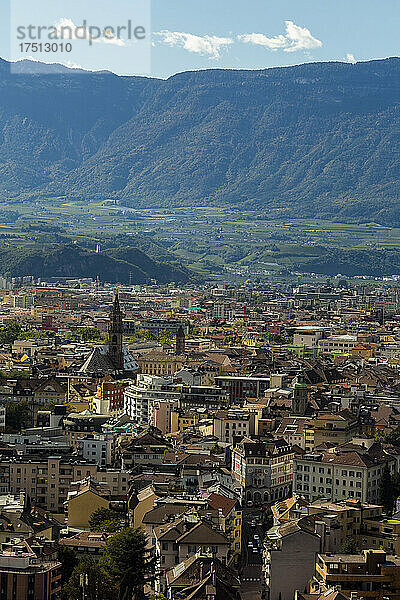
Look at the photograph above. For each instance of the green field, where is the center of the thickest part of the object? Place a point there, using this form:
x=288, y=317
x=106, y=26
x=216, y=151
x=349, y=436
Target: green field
x=207, y=240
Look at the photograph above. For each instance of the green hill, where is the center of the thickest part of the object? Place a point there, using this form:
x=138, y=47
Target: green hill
x=70, y=260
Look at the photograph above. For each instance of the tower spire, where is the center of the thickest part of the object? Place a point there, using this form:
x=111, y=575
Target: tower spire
x=115, y=333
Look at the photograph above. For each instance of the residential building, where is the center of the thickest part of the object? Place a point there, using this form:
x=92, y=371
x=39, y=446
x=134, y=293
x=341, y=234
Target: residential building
x=229, y=425
x=373, y=574
x=184, y=537
x=96, y=447
x=240, y=388
x=27, y=571
x=342, y=473
x=337, y=428
x=289, y=558
x=291, y=429
x=202, y=575
x=81, y=504
x=339, y=343
x=148, y=390
x=307, y=336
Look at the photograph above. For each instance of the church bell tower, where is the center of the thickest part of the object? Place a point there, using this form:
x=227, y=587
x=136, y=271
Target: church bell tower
x=300, y=396
x=180, y=341
x=115, y=333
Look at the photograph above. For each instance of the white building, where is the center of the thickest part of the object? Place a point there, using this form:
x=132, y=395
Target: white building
x=339, y=475
x=339, y=343
x=228, y=424
x=148, y=390
x=96, y=447
x=307, y=336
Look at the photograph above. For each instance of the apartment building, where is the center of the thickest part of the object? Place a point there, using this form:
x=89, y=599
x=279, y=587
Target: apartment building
x=148, y=390
x=337, y=428
x=184, y=537
x=231, y=424
x=354, y=517
x=159, y=363
x=47, y=480
x=291, y=429
x=240, y=388
x=341, y=474
x=307, y=336
x=339, y=343
x=289, y=558
x=365, y=523
x=372, y=575
x=23, y=574
x=109, y=398
x=161, y=412
x=96, y=447
x=203, y=396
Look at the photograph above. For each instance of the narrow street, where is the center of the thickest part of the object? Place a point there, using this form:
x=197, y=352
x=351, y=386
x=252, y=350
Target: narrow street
x=253, y=535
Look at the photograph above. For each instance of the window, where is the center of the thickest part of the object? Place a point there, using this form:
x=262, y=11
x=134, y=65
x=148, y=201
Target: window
x=164, y=545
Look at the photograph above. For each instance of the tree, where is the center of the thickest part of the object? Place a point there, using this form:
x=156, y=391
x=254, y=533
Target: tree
x=18, y=415
x=68, y=560
x=125, y=558
x=387, y=491
x=91, y=578
x=105, y=520
x=349, y=546
x=393, y=437
x=90, y=334
x=10, y=332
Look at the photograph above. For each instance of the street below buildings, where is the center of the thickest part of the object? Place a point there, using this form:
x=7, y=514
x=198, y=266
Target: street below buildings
x=253, y=534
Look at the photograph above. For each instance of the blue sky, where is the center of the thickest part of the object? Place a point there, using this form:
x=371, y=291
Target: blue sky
x=188, y=34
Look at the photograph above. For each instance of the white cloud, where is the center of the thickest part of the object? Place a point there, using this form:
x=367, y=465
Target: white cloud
x=295, y=38
x=300, y=38
x=350, y=59
x=259, y=39
x=207, y=45
x=67, y=30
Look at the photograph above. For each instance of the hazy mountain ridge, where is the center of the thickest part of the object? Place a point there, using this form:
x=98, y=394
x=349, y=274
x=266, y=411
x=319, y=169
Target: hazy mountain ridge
x=316, y=139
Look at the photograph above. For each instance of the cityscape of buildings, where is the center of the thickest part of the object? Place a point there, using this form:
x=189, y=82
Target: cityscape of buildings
x=251, y=432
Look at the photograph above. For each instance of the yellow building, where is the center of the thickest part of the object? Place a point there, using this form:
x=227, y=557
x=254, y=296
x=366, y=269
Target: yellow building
x=140, y=504
x=337, y=429
x=180, y=421
x=81, y=505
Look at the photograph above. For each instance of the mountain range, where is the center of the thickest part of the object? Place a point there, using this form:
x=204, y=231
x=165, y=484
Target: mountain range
x=318, y=139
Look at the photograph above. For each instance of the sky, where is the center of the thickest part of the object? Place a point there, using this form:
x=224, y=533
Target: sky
x=170, y=36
